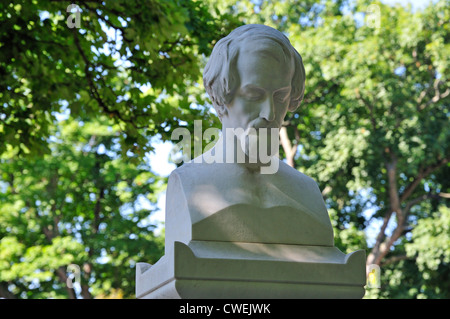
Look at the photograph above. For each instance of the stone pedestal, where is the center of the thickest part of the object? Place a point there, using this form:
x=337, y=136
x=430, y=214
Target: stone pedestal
x=245, y=250
x=205, y=269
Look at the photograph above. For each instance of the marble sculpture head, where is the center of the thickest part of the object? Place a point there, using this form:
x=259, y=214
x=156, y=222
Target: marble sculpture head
x=254, y=76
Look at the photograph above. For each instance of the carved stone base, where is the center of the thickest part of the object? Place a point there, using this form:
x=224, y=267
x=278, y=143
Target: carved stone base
x=207, y=269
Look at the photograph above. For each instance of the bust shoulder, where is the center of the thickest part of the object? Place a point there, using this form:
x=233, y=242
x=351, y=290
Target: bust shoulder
x=198, y=191
x=208, y=188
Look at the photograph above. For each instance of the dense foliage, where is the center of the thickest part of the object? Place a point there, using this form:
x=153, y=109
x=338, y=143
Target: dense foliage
x=375, y=131
x=80, y=109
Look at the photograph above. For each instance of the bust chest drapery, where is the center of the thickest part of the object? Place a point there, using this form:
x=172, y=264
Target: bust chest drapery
x=227, y=202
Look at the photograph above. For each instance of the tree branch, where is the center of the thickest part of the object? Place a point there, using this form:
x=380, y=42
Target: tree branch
x=382, y=247
x=424, y=172
x=394, y=199
x=93, y=88
x=102, y=18
x=394, y=259
x=373, y=257
x=419, y=199
x=437, y=95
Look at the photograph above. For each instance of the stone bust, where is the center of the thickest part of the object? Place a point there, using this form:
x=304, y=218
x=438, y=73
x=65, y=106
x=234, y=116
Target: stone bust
x=254, y=77
x=239, y=225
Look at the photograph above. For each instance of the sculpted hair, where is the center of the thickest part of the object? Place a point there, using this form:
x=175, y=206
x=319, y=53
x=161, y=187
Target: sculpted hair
x=221, y=78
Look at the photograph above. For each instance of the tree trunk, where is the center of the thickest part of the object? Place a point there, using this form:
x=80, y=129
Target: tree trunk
x=383, y=245
x=289, y=150
x=5, y=293
x=61, y=272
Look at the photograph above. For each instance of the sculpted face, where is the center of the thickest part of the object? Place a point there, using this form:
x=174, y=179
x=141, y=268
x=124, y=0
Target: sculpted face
x=262, y=98
x=265, y=84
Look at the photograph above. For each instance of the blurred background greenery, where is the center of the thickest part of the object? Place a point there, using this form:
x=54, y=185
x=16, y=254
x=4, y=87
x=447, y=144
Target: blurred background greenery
x=83, y=108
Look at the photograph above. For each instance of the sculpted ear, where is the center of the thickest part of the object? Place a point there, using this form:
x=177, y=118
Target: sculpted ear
x=297, y=83
x=220, y=77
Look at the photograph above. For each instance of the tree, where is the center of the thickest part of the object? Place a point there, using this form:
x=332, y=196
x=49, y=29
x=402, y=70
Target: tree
x=385, y=129
x=372, y=131
x=373, y=127
x=136, y=62
x=79, y=191
x=425, y=272
x=84, y=205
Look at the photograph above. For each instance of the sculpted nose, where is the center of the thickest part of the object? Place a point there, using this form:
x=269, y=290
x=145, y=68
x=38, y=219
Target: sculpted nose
x=268, y=109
